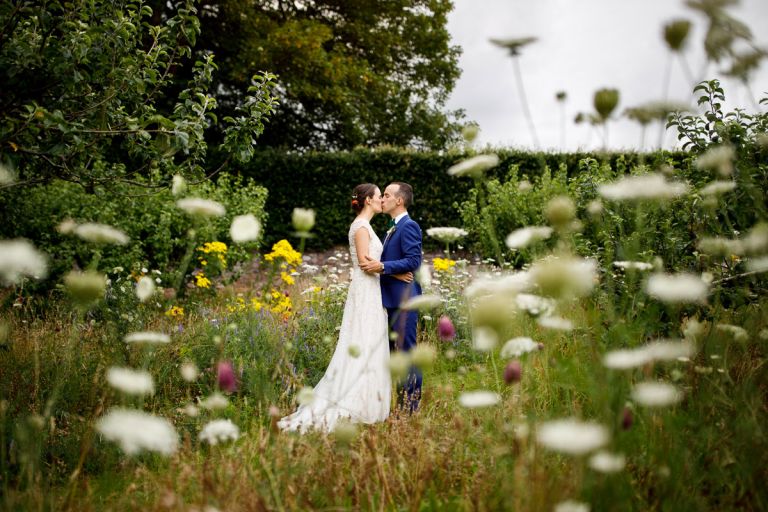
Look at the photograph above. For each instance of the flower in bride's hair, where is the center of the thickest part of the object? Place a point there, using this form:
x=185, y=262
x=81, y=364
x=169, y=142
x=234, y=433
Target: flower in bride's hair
x=475, y=166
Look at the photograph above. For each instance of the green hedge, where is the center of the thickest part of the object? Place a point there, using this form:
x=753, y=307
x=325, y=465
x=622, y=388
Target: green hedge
x=324, y=182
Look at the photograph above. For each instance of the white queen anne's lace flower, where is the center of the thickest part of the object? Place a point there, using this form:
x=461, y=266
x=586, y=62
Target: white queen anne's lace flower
x=145, y=288
x=100, y=234
x=135, y=431
x=571, y=506
x=525, y=236
x=572, y=436
x=201, y=207
x=477, y=399
x=634, y=265
x=474, y=166
x=717, y=187
x=677, y=288
x=219, y=431
x=421, y=302
x=564, y=277
x=244, y=228
x=518, y=346
x=644, y=187
x=446, y=234
x=606, y=462
x=147, y=337
x=131, y=381
x=656, y=394
x=19, y=258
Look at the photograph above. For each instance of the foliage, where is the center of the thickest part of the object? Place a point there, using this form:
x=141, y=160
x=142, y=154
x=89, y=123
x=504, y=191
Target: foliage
x=361, y=73
x=84, y=87
x=328, y=178
x=157, y=229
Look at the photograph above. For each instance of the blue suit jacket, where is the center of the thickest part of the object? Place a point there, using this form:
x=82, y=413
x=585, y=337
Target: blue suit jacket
x=402, y=253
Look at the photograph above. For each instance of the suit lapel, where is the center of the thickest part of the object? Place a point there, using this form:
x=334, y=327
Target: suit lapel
x=392, y=234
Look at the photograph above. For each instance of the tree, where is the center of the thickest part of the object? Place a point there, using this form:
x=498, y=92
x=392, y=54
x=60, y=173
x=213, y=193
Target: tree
x=367, y=72
x=84, y=94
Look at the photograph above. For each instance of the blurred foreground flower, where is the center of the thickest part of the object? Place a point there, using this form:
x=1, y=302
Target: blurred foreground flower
x=446, y=234
x=718, y=159
x=398, y=364
x=303, y=219
x=421, y=303
x=572, y=436
x=523, y=237
x=305, y=396
x=556, y=323
x=677, y=288
x=345, y=431
x=225, y=377
x=244, y=228
x=445, y=329
x=219, y=431
x=477, y=399
x=198, y=207
x=145, y=288
x=605, y=101
x=643, y=187
x=423, y=355
x=514, y=44
x=564, y=277
x=147, y=337
x=100, y=234
x=633, y=265
x=474, y=167
x=19, y=258
x=135, y=431
x=215, y=401
x=513, y=372
x=178, y=185
x=571, y=506
x=519, y=346
x=607, y=462
x=656, y=394
x=130, y=381
x=717, y=188
x=484, y=339
x=675, y=34
x=662, y=350
x=85, y=287
x=189, y=371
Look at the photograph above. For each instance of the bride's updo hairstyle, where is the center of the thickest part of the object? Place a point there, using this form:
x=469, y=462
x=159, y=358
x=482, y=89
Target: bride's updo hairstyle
x=360, y=194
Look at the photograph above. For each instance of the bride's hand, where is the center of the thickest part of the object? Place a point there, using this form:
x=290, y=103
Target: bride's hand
x=407, y=277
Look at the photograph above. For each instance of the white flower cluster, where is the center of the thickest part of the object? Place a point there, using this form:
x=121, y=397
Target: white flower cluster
x=100, y=234
x=677, y=288
x=519, y=346
x=19, y=258
x=478, y=399
x=656, y=394
x=523, y=237
x=475, y=166
x=644, y=187
x=572, y=436
x=219, y=431
x=135, y=431
x=660, y=350
x=130, y=381
x=446, y=234
x=196, y=206
x=152, y=338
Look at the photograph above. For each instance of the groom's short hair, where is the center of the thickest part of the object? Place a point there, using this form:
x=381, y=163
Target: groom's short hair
x=405, y=191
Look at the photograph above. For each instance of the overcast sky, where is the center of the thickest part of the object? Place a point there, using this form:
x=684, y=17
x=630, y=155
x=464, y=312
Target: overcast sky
x=582, y=46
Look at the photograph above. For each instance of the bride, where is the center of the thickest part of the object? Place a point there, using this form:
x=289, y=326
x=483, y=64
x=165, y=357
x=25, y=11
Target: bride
x=356, y=384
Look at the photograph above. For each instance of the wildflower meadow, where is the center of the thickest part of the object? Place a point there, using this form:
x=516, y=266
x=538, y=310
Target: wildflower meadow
x=592, y=336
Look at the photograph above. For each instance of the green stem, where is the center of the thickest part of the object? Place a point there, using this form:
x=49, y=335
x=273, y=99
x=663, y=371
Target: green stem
x=268, y=284
x=185, y=263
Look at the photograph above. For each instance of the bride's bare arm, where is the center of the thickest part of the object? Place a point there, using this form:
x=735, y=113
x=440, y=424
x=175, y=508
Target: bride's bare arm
x=362, y=242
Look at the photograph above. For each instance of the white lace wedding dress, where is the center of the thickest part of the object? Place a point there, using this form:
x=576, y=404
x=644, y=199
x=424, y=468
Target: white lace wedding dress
x=357, y=388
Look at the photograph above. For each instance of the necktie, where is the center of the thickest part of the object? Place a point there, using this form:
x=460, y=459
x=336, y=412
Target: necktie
x=391, y=223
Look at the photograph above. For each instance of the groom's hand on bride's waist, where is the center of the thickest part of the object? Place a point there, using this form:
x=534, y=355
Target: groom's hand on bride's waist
x=372, y=266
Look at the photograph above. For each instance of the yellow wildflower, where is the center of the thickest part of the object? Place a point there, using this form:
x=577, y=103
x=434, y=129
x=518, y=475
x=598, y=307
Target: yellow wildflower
x=256, y=304
x=175, y=311
x=443, y=264
x=283, y=250
x=285, y=276
x=202, y=281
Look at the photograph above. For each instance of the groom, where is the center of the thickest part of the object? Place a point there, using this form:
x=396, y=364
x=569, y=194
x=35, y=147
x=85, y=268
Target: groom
x=401, y=253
